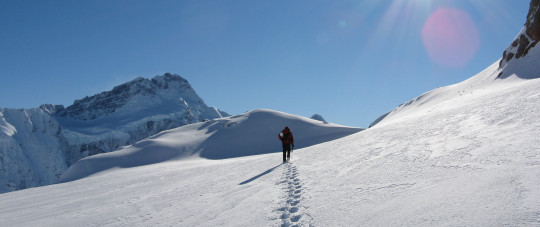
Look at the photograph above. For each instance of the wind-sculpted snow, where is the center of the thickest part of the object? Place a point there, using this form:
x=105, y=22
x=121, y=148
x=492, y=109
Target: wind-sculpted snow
x=257, y=133
x=247, y=134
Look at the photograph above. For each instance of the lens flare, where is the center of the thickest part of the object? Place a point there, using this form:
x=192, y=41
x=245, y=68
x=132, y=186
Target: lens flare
x=450, y=37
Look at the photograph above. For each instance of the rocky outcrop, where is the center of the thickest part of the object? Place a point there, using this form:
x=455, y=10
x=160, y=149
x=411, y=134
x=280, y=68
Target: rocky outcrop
x=527, y=39
x=533, y=20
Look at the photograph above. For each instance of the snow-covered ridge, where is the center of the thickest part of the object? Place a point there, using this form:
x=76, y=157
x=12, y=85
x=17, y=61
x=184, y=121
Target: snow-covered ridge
x=252, y=133
x=519, y=62
x=138, y=94
x=515, y=60
x=131, y=112
x=31, y=149
x=39, y=144
x=438, y=97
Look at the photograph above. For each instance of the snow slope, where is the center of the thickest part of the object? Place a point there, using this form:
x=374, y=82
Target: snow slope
x=462, y=155
x=473, y=160
x=498, y=76
x=251, y=133
x=31, y=149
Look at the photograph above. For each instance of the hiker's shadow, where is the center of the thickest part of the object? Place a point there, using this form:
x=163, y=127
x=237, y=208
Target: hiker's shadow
x=260, y=175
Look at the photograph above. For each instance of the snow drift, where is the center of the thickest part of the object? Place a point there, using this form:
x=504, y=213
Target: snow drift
x=252, y=133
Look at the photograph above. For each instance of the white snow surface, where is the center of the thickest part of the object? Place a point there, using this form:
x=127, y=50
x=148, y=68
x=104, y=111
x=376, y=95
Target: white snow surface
x=463, y=155
x=38, y=160
x=252, y=133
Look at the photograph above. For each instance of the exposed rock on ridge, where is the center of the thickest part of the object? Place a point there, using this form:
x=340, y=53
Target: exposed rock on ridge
x=37, y=145
x=527, y=39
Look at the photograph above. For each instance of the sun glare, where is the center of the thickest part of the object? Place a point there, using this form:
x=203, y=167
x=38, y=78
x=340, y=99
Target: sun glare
x=450, y=37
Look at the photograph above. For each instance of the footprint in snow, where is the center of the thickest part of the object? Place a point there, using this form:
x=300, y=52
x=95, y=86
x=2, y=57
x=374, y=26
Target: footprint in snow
x=292, y=213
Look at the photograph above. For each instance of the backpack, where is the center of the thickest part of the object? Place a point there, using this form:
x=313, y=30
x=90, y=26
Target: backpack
x=287, y=137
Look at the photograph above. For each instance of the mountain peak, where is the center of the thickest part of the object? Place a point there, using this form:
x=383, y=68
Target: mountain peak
x=166, y=89
x=167, y=79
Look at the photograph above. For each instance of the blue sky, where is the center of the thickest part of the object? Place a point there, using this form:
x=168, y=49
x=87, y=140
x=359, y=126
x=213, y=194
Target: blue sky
x=350, y=61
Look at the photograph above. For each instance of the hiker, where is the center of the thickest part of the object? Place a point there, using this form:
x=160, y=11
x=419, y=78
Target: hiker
x=287, y=140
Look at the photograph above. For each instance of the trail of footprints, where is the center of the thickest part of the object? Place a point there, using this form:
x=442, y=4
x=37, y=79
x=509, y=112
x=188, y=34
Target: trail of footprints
x=291, y=212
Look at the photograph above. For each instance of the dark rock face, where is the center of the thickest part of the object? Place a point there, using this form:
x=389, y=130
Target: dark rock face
x=533, y=20
x=528, y=39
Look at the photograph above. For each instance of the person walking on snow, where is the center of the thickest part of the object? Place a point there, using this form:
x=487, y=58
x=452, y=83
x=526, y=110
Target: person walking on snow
x=287, y=140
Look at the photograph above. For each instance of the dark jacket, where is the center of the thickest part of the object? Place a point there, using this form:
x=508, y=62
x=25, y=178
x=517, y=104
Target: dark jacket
x=286, y=136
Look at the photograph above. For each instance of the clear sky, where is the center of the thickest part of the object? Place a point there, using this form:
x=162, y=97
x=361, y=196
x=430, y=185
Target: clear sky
x=350, y=61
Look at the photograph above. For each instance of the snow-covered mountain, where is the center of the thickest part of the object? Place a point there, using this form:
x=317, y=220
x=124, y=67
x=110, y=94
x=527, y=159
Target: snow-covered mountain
x=463, y=155
x=470, y=159
x=37, y=145
x=130, y=112
x=31, y=149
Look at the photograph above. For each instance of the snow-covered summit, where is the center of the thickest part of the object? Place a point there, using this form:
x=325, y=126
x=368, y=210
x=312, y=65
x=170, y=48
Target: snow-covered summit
x=140, y=94
x=38, y=144
x=131, y=112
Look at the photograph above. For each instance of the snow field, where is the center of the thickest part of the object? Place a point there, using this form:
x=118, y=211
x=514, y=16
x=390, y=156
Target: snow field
x=471, y=161
x=182, y=193
x=462, y=155
x=291, y=210
x=247, y=134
